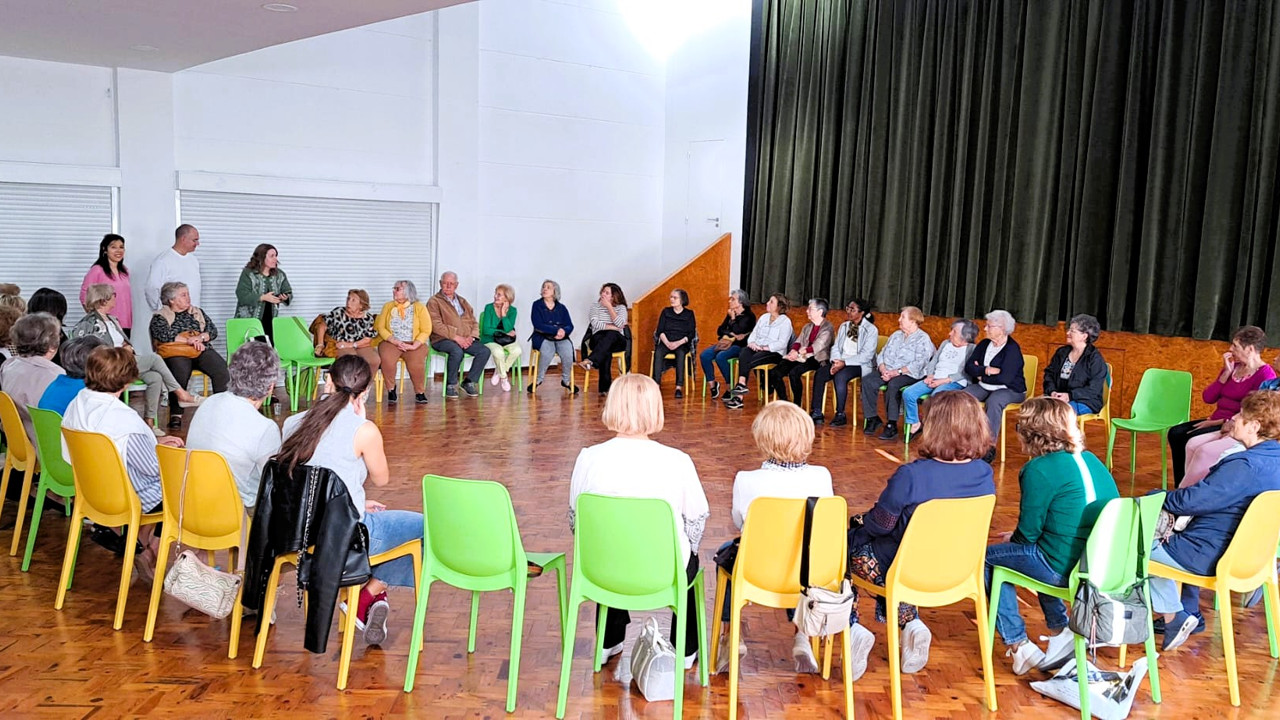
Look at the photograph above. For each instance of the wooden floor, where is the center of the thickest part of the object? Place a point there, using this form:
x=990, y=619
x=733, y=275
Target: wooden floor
x=70, y=663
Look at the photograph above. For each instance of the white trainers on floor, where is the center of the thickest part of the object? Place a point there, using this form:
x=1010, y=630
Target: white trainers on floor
x=1025, y=658
x=802, y=653
x=861, y=640
x=916, y=639
x=1062, y=647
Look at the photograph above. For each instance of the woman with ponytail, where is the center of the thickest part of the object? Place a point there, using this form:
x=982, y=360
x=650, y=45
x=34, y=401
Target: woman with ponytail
x=335, y=434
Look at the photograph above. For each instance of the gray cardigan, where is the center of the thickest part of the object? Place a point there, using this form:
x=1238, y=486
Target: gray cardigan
x=958, y=375
x=865, y=354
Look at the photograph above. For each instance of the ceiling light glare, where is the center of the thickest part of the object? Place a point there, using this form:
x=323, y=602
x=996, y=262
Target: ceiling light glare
x=280, y=7
x=144, y=48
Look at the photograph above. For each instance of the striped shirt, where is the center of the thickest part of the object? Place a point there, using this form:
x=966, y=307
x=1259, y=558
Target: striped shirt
x=598, y=318
x=144, y=470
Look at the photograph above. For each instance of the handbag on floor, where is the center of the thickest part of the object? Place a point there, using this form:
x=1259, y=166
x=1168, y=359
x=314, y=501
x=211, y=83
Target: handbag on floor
x=194, y=583
x=653, y=663
x=821, y=612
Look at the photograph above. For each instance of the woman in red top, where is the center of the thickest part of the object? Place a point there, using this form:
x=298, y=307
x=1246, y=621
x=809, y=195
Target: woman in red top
x=810, y=350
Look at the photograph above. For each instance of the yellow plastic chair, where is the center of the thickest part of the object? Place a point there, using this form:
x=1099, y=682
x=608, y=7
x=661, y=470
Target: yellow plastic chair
x=20, y=456
x=1030, y=371
x=763, y=391
x=1103, y=415
x=204, y=381
x=620, y=357
x=347, y=620
x=105, y=496
x=535, y=356
x=689, y=364
x=940, y=562
x=1249, y=562
x=214, y=520
x=767, y=572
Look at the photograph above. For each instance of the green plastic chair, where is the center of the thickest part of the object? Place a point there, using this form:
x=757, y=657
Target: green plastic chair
x=1163, y=400
x=298, y=355
x=626, y=555
x=463, y=366
x=55, y=472
x=239, y=330
x=471, y=542
x=1113, y=556
x=733, y=372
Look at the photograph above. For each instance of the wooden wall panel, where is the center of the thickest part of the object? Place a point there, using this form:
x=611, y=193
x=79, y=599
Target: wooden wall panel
x=706, y=279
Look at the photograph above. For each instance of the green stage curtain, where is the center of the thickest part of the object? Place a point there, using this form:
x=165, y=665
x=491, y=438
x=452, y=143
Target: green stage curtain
x=1048, y=157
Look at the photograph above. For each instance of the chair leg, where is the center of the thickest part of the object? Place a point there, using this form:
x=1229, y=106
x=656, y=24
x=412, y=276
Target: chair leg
x=997, y=586
x=130, y=542
x=1153, y=671
x=36, y=510
x=722, y=583
x=517, y=630
x=268, y=607
x=1229, y=647
x=348, y=636
x=704, y=673
x=1082, y=678
x=1133, y=454
x=475, y=613
x=69, y=559
x=984, y=645
x=895, y=656
x=1111, y=444
x=681, y=622
x=1004, y=436
x=845, y=652
x=22, y=508
x=4, y=480
x=1164, y=456
x=237, y=616
x=415, y=641
x=157, y=586
x=735, y=637
x=566, y=656
x=598, y=658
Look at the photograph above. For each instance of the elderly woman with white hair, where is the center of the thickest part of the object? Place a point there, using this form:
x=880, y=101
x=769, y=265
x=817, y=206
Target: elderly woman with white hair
x=945, y=371
x=230, y=423
x=995, y=369
x=99, y=301
x=405, y=328
x=181, y=334
x=29, y=373
x=633, y=465
x=551, y=329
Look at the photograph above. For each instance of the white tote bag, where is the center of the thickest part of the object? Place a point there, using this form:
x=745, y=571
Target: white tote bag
x=653, y=664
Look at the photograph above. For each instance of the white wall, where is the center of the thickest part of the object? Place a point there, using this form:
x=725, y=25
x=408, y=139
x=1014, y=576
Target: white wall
x=57, y=113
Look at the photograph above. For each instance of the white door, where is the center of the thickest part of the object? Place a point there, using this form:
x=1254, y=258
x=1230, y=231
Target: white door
x=705, y=200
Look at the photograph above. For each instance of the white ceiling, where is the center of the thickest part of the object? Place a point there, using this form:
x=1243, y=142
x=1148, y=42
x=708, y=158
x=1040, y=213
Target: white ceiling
x=185, y=33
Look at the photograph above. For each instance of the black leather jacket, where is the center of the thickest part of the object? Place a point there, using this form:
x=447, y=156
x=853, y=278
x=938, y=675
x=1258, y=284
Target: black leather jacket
x=309, y=507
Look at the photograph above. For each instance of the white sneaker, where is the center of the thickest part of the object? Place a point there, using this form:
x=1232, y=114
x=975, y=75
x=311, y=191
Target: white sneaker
x=1026, y=657
x=612, y=651
x=689, y=660
x=916, y=639
x=155, y=430
x=861, y=640
x=506, y=385
x=802, y=653
x=1062, y=647
x=496, y=379
x=722, y=654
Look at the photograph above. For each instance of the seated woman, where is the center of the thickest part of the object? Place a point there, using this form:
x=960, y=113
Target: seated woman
x=335, y=434
x=765, y=345
x=1063, y=488
x=48, y=300
x=99, y=300
x=605, y=323
x=810, y=351
x=632, y=465
x=181, y=333
x=1243, y=371
x=1077, y=373
x=731, y=339
x=64, y=388
x=229, y=423
x=949, y=466
x=551, y=329
x=97, y=408
x=784, y=436
x=29, y=373
x=1215, y=505
x=899, y=365
x=498, y=333
x=676, y=331
x=944, y=371
x=351, y=328
x=405, y=327
x=853, y=354
x=995, y=369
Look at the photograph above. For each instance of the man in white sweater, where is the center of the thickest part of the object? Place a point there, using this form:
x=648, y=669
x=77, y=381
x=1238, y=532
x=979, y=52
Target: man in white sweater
x=177, y=264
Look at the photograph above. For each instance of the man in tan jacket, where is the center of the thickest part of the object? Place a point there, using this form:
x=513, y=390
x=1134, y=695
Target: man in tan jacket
x=455, y=331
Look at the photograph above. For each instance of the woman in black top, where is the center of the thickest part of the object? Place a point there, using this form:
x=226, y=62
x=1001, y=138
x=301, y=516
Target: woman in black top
x=677, y=334
x=1077, y=374
x=731, y=338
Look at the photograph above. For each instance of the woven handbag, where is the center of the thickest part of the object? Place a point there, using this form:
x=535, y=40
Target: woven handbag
x=191, y=581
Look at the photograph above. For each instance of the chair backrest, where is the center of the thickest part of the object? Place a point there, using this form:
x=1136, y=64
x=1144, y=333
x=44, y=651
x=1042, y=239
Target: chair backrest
x=1251, y=556
x=214, y=510
x=881, y=341
x=239, y=331
x=1112, y=549
x=1030, y=371
x=55, y=470
x=627, y=546
x=772, y=538
x=1164, y=396
x=943, y=550
x=471, y=530
x=1106, y=393
x=102, y=483
x=291, y=338
x=14, y=431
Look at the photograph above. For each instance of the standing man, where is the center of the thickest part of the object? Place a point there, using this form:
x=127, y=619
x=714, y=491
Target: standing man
x=454, y=331
x=177, y=264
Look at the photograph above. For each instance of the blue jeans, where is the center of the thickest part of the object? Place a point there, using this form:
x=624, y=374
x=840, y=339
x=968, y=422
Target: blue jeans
x=911, y=398
x=1030, y=561
x=389, y=529
x=721, y=358
x=1164, y=592
x=1080, y=408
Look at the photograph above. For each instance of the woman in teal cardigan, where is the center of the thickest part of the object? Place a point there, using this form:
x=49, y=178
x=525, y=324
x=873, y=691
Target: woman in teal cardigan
x=498, y=333
x=262, y=287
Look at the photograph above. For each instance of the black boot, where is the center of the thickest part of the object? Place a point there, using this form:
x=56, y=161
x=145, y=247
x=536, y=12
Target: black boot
x=872, y=424
x=890, y=431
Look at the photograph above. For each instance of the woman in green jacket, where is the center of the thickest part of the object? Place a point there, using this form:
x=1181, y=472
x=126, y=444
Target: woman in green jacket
x=262, y=287
x=498, y=333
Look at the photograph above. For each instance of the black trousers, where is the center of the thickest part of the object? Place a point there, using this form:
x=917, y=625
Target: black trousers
x=752, y=358
x=208, y=362
x=660, y=362
x=792, y=372
x=1179, y=435
x=615, y=623
x=840, y=381
x=892, y=395
x=603, y=345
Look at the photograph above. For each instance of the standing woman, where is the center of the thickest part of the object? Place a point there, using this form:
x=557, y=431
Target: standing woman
x=605, y=322
x=351, y=327
x=262, y=287
x=676, y=331
x=498, y=333
x=109, y=268
x=551, y=329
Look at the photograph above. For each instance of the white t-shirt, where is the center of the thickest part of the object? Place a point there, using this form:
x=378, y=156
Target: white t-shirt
x=227, y=424
x=779, y=482
x=950, y=358
x=638, y=468
x=992, y=351
x=169, y=266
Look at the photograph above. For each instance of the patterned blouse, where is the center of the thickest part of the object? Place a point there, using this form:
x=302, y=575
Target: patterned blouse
x=402, y=327
x=344, y=328
x=162, y=332
x=598, y=318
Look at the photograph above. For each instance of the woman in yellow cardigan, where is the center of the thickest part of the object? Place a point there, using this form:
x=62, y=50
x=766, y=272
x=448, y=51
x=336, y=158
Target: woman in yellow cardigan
x=404, y=327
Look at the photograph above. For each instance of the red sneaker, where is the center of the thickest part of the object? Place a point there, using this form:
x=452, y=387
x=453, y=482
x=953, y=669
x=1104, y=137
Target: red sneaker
x=375, y=620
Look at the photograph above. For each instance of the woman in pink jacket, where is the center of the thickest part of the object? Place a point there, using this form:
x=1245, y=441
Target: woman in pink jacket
x=109, y=268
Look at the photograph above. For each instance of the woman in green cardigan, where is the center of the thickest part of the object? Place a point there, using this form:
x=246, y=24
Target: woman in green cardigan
x=498, y=333
x=262, y=287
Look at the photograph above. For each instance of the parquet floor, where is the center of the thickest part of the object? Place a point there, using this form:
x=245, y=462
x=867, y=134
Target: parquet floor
x=71, y=664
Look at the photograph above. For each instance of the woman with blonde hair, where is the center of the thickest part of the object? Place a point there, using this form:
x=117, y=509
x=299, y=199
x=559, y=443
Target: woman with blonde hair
x=1063, y=488
x=498, y=333
x=633, y=465
x=899, y=365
